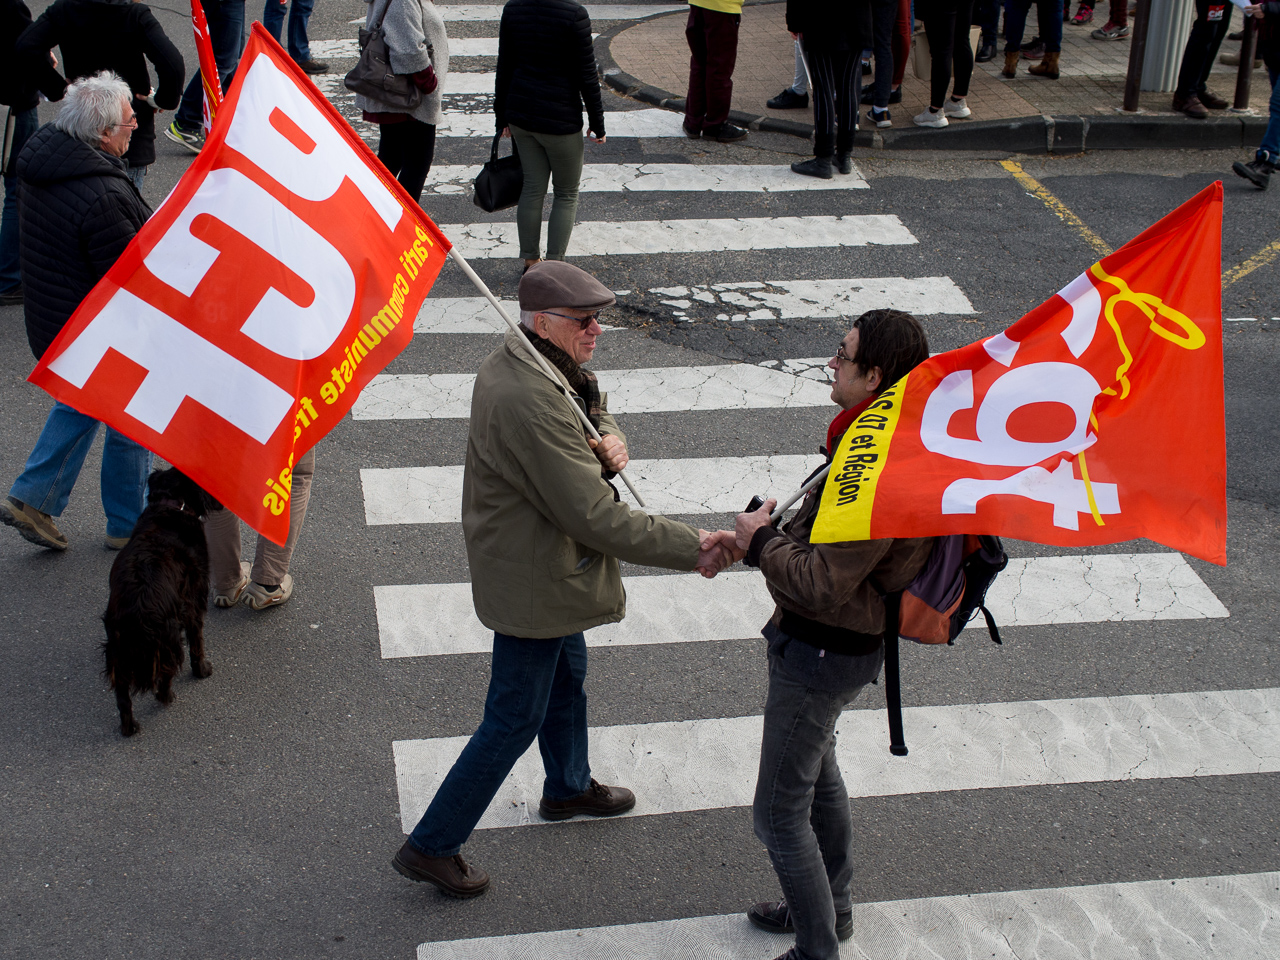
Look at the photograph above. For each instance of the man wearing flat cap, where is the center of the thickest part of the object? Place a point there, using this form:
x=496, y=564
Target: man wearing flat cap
x=545, y=532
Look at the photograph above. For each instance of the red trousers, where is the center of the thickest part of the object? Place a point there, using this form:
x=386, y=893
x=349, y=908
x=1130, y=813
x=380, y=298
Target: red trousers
x=713, y=49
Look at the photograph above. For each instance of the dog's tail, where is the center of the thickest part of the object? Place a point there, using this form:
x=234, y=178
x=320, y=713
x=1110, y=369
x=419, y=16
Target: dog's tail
x=139, y=651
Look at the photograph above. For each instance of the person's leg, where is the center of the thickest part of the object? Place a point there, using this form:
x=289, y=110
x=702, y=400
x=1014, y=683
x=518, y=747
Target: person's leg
x=722, y=56
x=125, y=467
x=273, y=12
x=138, y=174
x=1049, y=13
x=54, y=464
x=962, y=53
x=1015, y=23
x=521, y=678
x=1218, y=30
x=222, y=537
x=1269, y=149
x=271, y=561
x=848, y=74
x=800, y=84
x=420, y=151
x=1118, y=13
x=226, y=35
x=537, y=173
x=1195, y=54
x=299, y=16
x=824, y=102
x=695, y=104
x=562, y=740
x=986, y=14
x=565, y=155
x=25, y=123
x=940, y=27
x=902, y=30
x=884, y=14
x=392, y=145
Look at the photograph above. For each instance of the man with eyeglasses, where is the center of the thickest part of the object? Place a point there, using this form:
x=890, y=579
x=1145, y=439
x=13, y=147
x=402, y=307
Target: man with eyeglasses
x=826, y=642
x=545, y=531
x=79, y=210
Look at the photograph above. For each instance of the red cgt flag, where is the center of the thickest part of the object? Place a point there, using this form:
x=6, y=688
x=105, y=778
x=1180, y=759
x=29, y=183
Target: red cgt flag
x=1098, y=417
x=208, y=66
x=282, y=273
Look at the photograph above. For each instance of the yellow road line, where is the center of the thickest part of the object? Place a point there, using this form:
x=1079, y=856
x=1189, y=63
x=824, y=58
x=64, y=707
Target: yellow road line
x=1260, y=259
x=1036, y=189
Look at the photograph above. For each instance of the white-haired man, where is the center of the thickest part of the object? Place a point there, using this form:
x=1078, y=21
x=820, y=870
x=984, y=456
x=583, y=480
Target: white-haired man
x=78, y=211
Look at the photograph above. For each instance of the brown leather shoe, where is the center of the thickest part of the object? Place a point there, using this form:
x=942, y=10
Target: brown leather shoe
x=452, y=875
x=1191, y=107
x=1213, y=101
x=597, y=801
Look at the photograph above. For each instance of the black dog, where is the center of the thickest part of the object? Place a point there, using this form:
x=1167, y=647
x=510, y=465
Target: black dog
x=159, y=588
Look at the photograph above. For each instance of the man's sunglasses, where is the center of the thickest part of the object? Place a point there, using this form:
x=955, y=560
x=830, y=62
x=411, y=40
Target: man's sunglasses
x=583, y=322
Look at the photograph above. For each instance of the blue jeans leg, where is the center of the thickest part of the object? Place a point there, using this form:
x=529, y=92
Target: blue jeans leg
x=55, y=462
x=299, y=16
x=24, y=125
x=528, y=682
x=125, y=468
x=1270, y=148
x=1015, y=23
x=801, y=808
x=226, y=35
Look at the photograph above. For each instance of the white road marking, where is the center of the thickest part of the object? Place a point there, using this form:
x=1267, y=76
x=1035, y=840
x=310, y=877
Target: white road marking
x=435, y=619
x=796, y=299
x=617, y=124
x=726, y=386
x=348, y=48
x=599, y=238
x=666, y=177
x=1183, y=919
x=679, y=486
x=483, y=12
x=463, y=315
x=710, y=764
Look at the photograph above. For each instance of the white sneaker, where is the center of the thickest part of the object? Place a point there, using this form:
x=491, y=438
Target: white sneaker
x=930, y=119
x=956, y=108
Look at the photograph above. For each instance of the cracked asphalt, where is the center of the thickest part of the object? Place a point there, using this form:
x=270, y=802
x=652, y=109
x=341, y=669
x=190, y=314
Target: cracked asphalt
x=256, y=817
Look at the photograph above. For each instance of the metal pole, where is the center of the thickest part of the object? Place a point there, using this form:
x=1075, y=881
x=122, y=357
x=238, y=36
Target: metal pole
x=541, y=360
x=1244, y=76
x=1137, y=56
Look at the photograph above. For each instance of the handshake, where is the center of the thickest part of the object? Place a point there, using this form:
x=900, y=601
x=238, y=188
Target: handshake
x=722, y=548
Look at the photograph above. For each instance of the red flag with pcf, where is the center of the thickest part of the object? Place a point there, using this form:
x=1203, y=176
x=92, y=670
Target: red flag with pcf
x=282, y=273
x=1096, y=418
x=208, y=66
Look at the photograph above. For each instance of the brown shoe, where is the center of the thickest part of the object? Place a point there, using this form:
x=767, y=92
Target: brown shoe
x=451, y=875
x=1047, y=67
x=36, y=525
x=1011, y=58
x=1213, y=101
x=1192, y=107
x=597, y=801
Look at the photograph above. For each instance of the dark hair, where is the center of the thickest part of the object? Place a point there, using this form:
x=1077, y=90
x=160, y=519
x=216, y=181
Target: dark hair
x=892, y=340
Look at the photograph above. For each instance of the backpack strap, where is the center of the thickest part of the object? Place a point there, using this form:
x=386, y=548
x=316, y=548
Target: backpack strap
x=992, y=629
x=892, y=678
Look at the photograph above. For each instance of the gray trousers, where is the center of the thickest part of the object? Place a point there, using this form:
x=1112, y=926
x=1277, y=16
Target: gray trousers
x=271, y=561
x=547, y=156
x=801, y=810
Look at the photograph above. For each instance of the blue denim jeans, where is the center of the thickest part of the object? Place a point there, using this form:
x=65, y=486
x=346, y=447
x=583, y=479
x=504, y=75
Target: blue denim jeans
x=55, y=463
x=226, y=36
x=801, y=809
x=1049, y=14
x=535, y=690
x=299, y=14
x=1270, y=147
x=24, y=125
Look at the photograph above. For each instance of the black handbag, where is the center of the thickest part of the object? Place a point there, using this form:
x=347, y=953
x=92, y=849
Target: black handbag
x=500, y=181
x=373, y=77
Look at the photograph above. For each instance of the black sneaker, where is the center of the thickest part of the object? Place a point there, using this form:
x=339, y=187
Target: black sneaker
x=193, y=140
x=844, y=163
x=788, y=99
x=13, y=297
x=775, y=917
x=1257, y=172
x=313, y=66
x=690, y=132
x=819, y=167
x=1033, y=50
x=725, y=133
x=868, y=97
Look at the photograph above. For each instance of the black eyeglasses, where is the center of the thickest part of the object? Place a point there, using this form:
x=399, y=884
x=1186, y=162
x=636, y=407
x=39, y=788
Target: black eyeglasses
x=583, y=322
x=841, y=355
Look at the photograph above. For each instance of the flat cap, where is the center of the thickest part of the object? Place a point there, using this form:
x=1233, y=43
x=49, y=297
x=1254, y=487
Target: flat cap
x=554, y=283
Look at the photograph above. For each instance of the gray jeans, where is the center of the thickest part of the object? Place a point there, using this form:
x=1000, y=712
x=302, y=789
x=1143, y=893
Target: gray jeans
x=801, y=806
x=558, y=158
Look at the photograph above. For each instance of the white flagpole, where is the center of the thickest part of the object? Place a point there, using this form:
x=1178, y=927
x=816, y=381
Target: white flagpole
x=812, y=482
x=541, y=360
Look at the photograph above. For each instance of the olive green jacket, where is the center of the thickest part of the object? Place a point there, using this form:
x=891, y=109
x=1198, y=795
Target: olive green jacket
x=544, y=533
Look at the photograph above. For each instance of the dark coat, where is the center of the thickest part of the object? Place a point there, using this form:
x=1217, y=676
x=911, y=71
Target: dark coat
x=19, y=83
x=115, y=35
x=831, y=25
x=547, y=68
x=78, y=210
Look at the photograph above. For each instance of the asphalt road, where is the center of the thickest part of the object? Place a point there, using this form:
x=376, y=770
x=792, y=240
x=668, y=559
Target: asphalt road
x=256, y=817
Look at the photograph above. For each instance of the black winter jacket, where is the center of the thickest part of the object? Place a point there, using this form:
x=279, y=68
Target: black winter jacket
x=112, y=35
x=831, y=25
x=18, y=84
x=78, y=210
x=547, y=68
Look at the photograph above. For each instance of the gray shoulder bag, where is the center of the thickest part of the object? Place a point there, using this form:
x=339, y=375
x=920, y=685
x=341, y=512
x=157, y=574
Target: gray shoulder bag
x=373, y=77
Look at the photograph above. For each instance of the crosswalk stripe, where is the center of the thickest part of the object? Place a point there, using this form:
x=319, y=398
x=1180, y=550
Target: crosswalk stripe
x=462, y=315
x=435, y=619
x=683, y=765
x=726, y=386
x=668, y=177
x=484, y=12
x=617, y=124
x=600, y=238
x=798, y=299
x=678, y=486
x=1233, y=916
x=458, y=81
x=348, y=48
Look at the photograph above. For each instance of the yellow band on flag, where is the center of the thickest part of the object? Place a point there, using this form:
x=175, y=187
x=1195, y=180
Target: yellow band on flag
x=850, y=491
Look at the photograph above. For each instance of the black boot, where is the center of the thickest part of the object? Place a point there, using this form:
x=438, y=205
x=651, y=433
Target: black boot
x=1258, y=172
x=844, y=163
x=819, y=167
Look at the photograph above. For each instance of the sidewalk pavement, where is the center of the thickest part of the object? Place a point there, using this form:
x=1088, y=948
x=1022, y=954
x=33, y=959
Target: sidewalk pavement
x=649, y=61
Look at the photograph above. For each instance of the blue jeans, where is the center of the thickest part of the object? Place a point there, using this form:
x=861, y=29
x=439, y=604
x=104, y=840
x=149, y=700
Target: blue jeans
x=226, y=36
x=986, y=14
x=299, y=14
x=1270, y=148
x=535, y=690
x=24, y=125
x=55, y=463
x=801, y=809
x=1049, y=14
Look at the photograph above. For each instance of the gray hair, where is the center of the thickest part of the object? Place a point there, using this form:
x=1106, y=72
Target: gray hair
x=527, y=319
x=92, y=106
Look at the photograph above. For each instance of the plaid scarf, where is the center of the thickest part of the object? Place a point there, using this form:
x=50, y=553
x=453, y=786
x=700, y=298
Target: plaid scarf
x=580, y=378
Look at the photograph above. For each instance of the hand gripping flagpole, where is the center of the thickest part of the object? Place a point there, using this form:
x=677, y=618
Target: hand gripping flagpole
x=542, y=361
